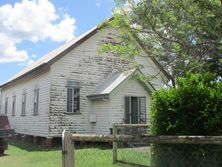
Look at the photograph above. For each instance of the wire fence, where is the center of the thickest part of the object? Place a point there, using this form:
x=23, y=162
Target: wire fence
x=131, y=153
x=186, y=155
x=134, y=154
x=141, y=150
x=93, y=155
x=100, y=155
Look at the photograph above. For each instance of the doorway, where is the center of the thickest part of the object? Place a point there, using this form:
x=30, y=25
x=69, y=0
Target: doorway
x=134, y=116
x=135, y=110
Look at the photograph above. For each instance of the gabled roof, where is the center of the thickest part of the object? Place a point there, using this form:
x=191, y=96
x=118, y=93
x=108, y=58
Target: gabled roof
x=48, y=58
x=54, y=55
x=113, y=81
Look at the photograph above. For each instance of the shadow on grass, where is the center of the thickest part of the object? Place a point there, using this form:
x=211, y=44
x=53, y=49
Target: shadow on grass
x=31, y=147
x=4, y=155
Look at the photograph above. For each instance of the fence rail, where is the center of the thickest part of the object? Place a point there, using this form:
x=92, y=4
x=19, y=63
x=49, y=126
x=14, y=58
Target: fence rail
x=68, y=149
x=148, y=139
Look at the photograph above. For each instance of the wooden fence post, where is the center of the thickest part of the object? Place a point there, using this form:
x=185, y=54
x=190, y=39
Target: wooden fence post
x=67, y=150
x=114, y=145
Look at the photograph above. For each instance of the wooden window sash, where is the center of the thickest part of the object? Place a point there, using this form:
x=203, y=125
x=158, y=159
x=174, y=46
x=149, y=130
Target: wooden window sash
x=73, y=99
x=6, y=105
x=36, y=101
x=76, y=99
x=13, y=105
x=23, y=104
x=69, y=99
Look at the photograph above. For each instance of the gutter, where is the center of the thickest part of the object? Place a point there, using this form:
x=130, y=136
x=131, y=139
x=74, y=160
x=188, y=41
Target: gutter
x=98, y=96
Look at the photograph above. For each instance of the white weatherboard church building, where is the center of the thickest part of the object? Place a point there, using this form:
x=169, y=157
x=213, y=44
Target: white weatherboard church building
x=75, y=88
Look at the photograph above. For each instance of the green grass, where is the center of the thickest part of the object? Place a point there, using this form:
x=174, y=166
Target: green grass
x=26, y=155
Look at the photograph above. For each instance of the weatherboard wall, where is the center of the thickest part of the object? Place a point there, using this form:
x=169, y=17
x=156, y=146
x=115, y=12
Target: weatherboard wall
x=130, y=87
x=85, y=65
x=112, y=110
x=101, y=110
x=29, y=124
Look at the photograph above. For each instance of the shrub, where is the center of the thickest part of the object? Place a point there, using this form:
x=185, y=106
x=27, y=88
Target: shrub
x=193, y=107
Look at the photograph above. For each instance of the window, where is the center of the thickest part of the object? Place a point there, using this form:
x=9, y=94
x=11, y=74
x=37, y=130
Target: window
x=23, y=104
x=36, y=101
x=73, y=96
x=13, y=105
x=6, y=105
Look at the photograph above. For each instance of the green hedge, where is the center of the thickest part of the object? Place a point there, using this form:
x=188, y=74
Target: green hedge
x=193, y=107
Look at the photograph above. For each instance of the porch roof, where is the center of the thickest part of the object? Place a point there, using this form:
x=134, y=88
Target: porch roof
x=112, y=82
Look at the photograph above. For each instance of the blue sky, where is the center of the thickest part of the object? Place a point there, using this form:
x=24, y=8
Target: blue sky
x=31, y=28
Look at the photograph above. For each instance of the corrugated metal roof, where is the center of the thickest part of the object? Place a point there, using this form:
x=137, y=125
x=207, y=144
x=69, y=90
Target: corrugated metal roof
x=111, y=83
x=50, y=56
x=55, y=53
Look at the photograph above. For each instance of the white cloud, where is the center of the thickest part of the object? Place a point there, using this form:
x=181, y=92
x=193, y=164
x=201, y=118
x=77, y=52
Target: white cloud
x=33, y=21
x=8, y=51
x=63, y=30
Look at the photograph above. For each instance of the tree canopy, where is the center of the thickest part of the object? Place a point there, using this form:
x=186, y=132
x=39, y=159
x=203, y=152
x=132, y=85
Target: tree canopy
x=184, y=35
x=193, y=107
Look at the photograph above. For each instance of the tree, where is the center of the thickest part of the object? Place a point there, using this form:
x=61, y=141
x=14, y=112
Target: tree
x=184, y=35
x=193, y=107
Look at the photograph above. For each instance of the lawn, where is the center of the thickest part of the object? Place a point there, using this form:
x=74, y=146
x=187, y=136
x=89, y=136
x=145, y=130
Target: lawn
x=26, y=155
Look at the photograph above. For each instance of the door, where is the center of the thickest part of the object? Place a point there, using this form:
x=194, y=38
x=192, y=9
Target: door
x=135, y=110
x=135, y=113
